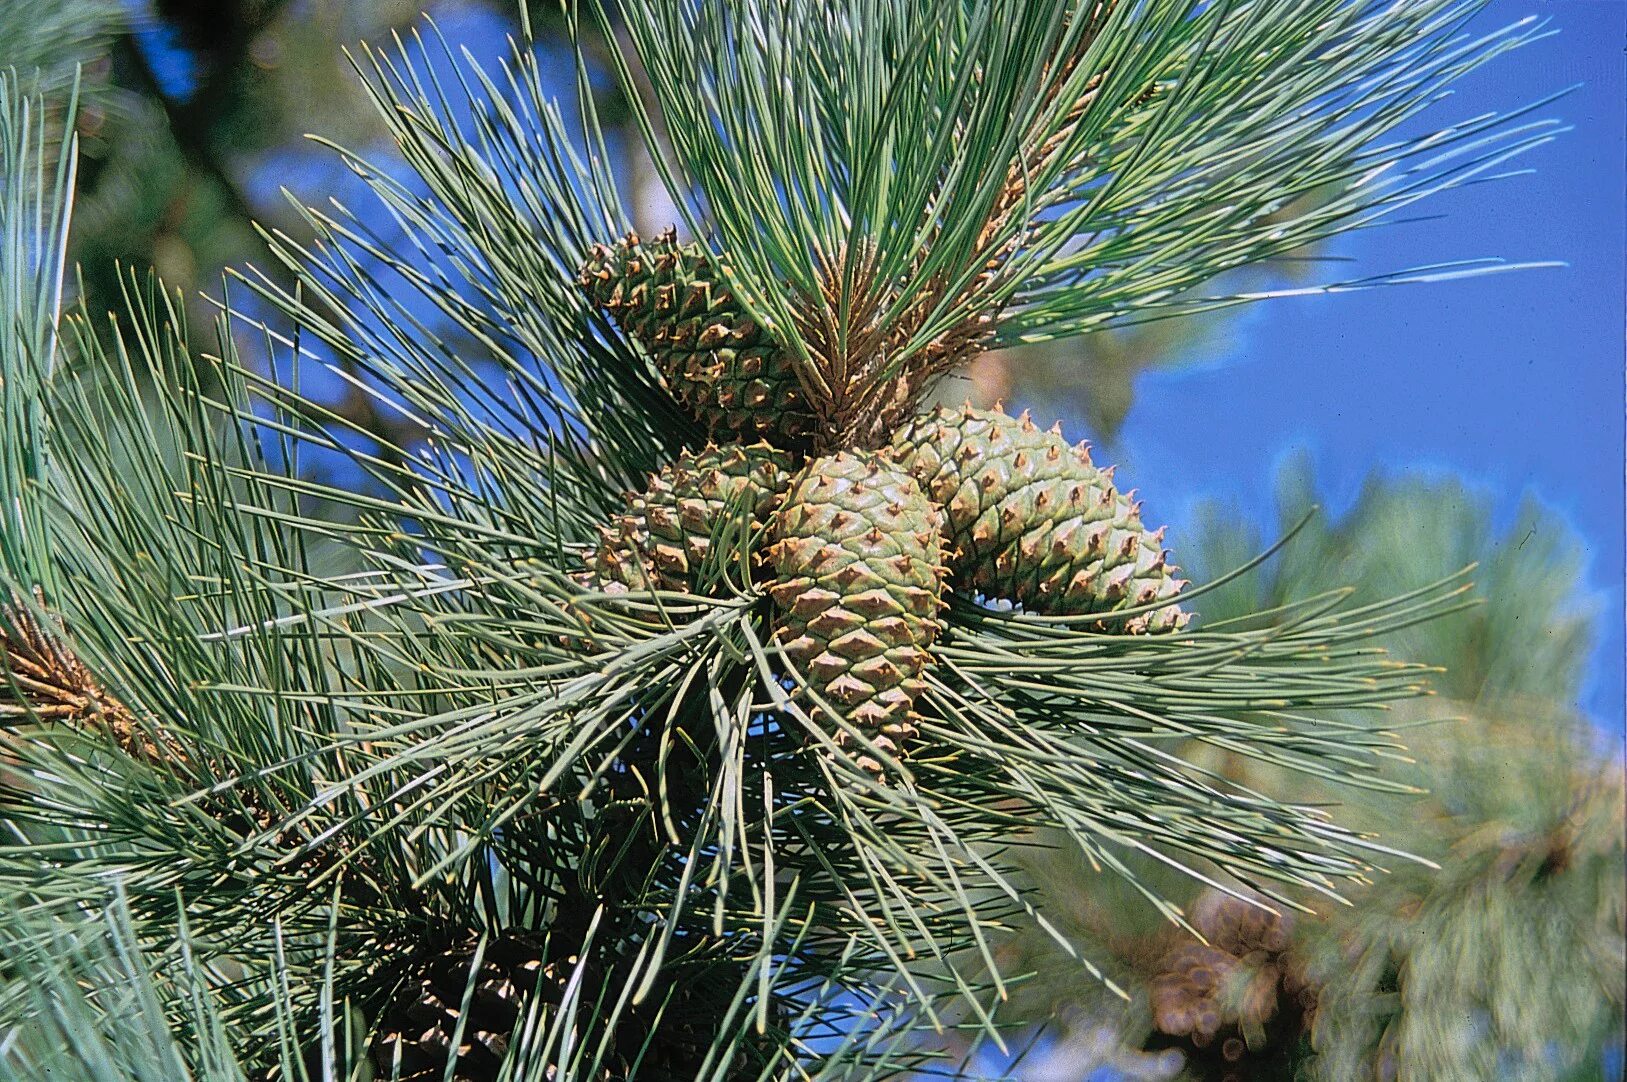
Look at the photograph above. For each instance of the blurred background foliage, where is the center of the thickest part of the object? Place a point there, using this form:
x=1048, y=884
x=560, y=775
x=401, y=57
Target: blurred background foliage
x=1506, y=962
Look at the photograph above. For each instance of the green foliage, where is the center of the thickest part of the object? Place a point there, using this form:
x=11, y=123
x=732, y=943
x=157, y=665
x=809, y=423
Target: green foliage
x=359, y=724
x=186, y=108
x=37, y=163
x=1528, y=638
x=1509, y=961
x=45, y=42
x=97, y=1006
x=1506, y=960
x=1153, y=146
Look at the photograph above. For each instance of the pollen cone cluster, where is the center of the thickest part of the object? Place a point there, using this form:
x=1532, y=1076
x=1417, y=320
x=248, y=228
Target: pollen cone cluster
x=665, y=540
x=1034, y=521
x=858, y=565
x=715, y=359
x=1236, y=1005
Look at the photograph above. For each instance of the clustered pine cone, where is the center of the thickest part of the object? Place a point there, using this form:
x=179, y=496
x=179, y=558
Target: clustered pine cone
x=1034, y=521
x=859, y=567
x=427, y=1020
x=664, y=541
x=862, y=542
x=713, y=357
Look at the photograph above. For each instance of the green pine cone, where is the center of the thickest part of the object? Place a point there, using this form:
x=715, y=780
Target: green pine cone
x=663, y=542
x=1034, y=521
x=859, y=567
x=718, y=363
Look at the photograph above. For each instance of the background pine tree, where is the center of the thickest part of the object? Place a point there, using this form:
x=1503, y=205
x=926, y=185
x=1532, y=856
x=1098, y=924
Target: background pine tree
x=1506, y=959
x=373, y=737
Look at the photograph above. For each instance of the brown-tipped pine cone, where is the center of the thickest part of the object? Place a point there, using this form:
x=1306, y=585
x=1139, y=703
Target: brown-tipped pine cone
x=664, y=541
x=1034, y=521
x=715, y=359
x=858, y=562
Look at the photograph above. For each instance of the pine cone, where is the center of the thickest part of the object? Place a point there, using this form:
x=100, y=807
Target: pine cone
x=1237, y=1006
x=421, y=1021
x=1242, y=930
x=715, y=359
x=1186, y=994
x=671, y=1035
x=666, y=1039
x=663, y=542
x=858, y=559
x=1034, y=521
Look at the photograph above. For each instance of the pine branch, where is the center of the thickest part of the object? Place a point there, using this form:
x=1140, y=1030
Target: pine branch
x=546, y=687
x=928, y=178
x=411, y=724
x=245, y=831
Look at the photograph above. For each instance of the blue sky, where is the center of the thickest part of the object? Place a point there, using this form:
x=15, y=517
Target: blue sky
x=1513, y=381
